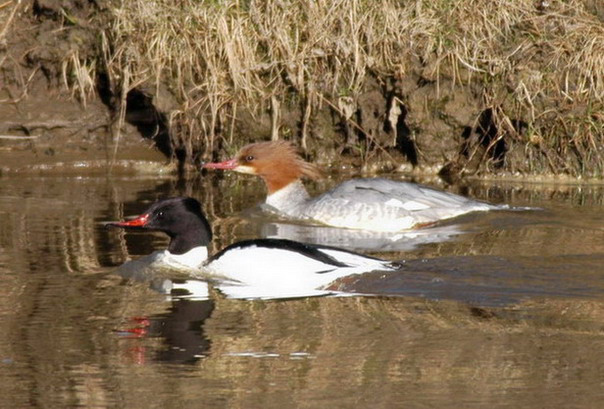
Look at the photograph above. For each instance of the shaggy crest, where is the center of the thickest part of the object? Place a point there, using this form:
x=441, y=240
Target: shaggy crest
x=281, y=154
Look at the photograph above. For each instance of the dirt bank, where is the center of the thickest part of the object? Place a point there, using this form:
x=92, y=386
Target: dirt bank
x=475, y=88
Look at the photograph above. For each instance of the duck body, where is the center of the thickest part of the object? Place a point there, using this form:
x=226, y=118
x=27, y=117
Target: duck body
x=285, y=267
x=374, y=204
x=262, y=268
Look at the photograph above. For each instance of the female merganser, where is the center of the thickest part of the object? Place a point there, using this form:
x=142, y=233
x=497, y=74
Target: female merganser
x=375, y=204
x=262, y=268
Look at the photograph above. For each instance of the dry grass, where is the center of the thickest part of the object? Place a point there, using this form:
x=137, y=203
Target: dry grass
x=542, y=62
x=8, y=10
x=79, y=76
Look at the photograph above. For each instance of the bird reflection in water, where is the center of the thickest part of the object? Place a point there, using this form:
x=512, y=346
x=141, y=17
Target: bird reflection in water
x=181, y=327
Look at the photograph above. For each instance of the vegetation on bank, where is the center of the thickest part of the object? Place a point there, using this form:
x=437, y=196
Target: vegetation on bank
x=470, y=86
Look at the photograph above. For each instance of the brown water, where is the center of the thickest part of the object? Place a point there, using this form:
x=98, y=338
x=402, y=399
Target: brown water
x=505, y=310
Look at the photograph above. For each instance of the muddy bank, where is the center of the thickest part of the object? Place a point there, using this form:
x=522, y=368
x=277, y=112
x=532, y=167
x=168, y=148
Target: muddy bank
x=46, y=125
x=81, y=82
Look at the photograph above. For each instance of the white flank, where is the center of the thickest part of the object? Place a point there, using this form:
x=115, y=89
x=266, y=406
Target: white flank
x=256, y=272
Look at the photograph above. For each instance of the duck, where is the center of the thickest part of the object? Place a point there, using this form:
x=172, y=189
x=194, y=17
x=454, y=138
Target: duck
x=258, y=268
x=372, y=204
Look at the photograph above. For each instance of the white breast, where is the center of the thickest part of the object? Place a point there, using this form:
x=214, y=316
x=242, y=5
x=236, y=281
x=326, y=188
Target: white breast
x=192, y=259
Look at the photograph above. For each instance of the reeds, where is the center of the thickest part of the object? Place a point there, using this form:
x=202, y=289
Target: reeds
x=538, y=62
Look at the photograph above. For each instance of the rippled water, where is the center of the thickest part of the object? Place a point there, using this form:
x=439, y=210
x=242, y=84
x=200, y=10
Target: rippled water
x=503, y=309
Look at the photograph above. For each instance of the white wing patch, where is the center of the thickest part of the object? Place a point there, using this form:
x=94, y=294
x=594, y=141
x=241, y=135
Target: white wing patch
x=412, y=205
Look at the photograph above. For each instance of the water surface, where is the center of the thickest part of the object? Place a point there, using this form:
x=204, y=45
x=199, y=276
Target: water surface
x=504, y=309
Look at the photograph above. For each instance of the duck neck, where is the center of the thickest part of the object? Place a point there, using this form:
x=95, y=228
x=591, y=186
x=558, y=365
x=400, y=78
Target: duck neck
x=194, y=235
x=288, y=199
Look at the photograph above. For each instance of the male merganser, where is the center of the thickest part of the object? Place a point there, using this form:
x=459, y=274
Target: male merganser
x=262, y=268
x=374, y=204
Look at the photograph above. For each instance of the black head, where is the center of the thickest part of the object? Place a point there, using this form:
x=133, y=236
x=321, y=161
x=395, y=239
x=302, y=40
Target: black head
x=181, y=218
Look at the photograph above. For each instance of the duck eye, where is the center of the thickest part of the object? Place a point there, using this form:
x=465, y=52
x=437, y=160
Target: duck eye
x=249, y=158
x=160, y=215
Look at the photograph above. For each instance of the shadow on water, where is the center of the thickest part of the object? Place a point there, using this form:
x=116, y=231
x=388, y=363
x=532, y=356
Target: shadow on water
x=490, y=281
x=506, y=310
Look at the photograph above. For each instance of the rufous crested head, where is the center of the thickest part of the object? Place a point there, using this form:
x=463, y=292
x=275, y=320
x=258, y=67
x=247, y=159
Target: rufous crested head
x=277, y=162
